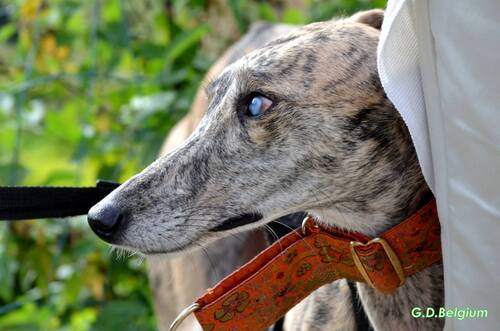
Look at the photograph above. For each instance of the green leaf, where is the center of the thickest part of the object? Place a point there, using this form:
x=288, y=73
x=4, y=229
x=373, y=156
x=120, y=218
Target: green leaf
x=9, y=170
x=6, y=32
x=111, y=11
x=7, y=266
x=267, y=12
x=235, y=6
x=294, y=16
x=123, y=316
x=184, y=42
x=61, y=177
x=81, y=320
x=64, y=123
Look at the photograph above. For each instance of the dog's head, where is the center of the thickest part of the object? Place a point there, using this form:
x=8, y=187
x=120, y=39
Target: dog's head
x=301, y=124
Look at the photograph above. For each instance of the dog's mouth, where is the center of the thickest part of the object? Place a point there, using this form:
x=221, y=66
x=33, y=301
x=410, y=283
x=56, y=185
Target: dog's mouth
x=237, y=221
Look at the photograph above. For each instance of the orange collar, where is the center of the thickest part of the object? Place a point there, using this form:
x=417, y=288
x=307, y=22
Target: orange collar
x=263, y=290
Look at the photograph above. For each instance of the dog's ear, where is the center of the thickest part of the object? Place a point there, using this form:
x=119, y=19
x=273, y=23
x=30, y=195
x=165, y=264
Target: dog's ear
x=373, y=18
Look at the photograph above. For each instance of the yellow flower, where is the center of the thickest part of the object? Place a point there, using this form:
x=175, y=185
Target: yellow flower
x=49, y=44
x=62, y=52
x=30, y=9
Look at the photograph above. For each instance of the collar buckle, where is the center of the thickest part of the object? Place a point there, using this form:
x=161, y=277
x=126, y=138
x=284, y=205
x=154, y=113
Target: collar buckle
x=393, y=258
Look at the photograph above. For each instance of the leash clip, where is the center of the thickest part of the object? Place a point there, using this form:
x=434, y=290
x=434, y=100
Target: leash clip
x=183, y=315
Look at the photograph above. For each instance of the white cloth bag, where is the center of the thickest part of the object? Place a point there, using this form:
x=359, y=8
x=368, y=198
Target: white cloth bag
x=439, y=63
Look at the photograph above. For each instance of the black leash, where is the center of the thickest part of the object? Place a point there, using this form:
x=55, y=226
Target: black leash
x=18, y=203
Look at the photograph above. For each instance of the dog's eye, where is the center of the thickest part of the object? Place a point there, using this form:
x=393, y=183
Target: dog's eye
x=258, y=105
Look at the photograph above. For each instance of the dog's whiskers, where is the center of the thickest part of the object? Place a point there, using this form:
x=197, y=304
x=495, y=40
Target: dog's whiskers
x=267, y=227
x=212, y=265
x=296, y=230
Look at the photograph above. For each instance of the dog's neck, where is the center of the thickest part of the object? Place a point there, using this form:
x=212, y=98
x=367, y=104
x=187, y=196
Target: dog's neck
x=425, y=289
x=380, y=213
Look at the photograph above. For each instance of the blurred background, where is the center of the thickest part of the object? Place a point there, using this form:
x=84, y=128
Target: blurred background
x=89, y=89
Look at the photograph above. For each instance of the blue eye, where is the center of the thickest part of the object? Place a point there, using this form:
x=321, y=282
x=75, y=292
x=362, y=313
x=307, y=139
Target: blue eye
x=255, y=106
x=258, y=105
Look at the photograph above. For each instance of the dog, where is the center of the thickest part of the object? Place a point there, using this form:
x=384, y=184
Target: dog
x=302, y=124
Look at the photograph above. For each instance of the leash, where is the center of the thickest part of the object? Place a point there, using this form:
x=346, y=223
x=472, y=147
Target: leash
x=18, y=203
x=263, y=290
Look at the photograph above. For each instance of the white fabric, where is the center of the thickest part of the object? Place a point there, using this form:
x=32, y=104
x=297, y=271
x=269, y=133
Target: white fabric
x=399, y=71
x=439, y=63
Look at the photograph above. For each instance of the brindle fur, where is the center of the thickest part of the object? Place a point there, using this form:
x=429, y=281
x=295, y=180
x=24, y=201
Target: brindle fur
x=332, y=145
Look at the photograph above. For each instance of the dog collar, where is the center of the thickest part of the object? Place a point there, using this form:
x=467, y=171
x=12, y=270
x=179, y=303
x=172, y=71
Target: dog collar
x=266, y=288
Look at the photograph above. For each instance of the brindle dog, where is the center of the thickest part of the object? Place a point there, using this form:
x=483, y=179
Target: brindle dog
x=301, y=124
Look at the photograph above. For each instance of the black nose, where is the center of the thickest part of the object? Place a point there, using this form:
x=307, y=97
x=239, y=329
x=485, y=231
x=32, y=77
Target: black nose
x=105, y=221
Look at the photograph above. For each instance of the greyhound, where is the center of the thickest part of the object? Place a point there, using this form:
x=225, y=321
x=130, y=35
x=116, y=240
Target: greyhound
x=300, y=124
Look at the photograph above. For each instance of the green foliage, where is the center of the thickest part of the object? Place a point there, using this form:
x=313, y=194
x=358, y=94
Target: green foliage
x=89, y=89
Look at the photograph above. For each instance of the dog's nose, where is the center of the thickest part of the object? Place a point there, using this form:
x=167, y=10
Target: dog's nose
x=105, y=221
